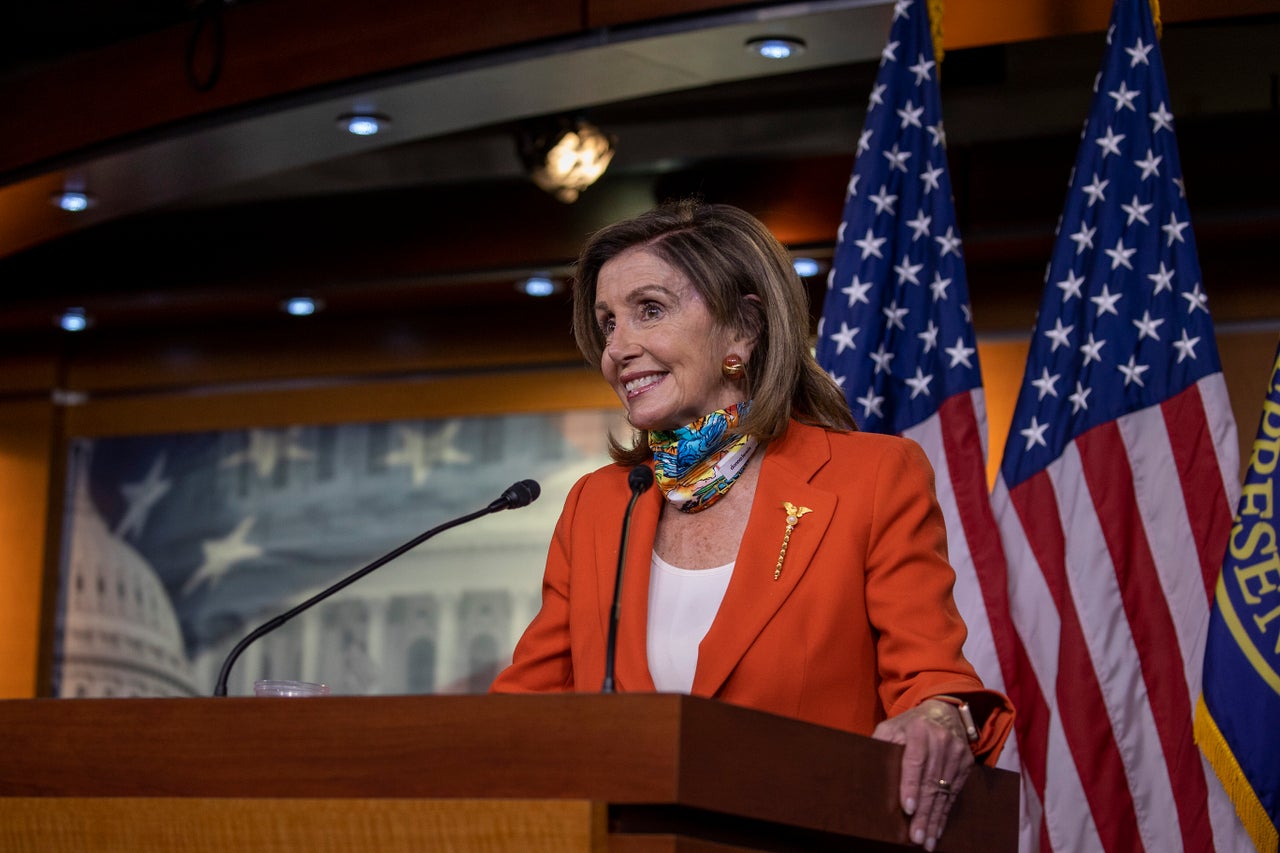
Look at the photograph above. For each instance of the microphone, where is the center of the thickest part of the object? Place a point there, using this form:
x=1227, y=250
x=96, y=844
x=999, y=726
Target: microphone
x=640, y=479
x=520, y=494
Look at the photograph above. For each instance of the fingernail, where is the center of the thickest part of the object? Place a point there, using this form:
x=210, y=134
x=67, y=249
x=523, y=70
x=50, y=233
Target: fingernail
x=918, y=836
x=929, y=844
x=911, y=806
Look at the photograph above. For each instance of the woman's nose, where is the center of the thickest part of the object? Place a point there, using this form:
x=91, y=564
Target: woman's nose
x=621, y=344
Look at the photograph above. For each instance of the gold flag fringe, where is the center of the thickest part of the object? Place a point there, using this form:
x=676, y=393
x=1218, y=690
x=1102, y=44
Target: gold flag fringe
x=1155, y=17
x=1253, y=816
x=935, y=27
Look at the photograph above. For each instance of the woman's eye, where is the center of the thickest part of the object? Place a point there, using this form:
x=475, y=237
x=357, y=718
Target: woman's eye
x=651, y=310
x=606, y=326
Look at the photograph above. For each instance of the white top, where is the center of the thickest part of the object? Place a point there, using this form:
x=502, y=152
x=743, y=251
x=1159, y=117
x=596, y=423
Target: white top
x=682, y=605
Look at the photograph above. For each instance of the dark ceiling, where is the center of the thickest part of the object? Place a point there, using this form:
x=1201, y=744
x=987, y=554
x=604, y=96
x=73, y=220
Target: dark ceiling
x=448, y=221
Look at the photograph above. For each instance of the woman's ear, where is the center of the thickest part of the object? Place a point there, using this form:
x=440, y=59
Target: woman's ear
x=752, y=325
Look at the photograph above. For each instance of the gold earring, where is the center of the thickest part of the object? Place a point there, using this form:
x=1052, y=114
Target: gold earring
x=732, y=367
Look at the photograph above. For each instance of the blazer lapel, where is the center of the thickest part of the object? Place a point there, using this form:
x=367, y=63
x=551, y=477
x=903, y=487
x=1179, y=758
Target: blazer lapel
x=754, y=595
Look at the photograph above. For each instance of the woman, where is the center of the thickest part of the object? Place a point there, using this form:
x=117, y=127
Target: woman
x=787, y=562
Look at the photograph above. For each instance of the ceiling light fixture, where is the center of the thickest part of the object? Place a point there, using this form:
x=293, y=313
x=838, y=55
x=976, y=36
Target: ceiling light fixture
x=538, y=285
x=73, y=320
x=72, y=201
x=363, y=124
x=776, y=47
x=806, y=267
x=565, y=156
x=301, y=306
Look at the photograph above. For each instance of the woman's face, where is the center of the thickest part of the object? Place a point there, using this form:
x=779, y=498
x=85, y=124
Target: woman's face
x=663, y=350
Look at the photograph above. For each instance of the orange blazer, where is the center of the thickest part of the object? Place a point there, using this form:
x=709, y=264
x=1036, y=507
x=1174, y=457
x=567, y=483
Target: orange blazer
x=860, y=625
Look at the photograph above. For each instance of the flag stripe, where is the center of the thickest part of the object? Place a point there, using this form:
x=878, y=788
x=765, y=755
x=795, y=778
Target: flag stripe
x=1077, y=694
x=1196, y=459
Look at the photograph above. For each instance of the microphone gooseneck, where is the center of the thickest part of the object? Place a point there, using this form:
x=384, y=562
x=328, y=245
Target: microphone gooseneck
x=639, y=479
x=520, y=494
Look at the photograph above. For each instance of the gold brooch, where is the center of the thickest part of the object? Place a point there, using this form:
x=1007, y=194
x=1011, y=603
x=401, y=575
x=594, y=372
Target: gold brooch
x=794, y=513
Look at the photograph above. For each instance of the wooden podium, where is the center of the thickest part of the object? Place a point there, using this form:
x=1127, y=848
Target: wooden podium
x=635, y=773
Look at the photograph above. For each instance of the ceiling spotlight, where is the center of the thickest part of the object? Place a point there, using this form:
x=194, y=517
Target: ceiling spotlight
x=74, y=320
x=566, y=156
x=806, y=267
x=301, y=306
x=776, y=47
x=72, y=201
x=363, y=124
x=538, y=285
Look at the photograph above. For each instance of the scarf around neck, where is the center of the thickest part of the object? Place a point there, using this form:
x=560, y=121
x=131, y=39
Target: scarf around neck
x=696, y=464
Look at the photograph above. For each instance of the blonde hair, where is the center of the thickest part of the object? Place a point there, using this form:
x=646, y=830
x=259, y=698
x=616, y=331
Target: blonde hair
x=727, y=255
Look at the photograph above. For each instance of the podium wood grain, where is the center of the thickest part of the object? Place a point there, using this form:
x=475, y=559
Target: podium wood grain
x=698, y=771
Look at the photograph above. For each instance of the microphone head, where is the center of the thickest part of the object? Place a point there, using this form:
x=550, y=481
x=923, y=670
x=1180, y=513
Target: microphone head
x=520, y=494
x=640, y=479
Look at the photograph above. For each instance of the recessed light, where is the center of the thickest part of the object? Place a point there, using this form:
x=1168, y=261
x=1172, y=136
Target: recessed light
x=72, y=201
x=363, y=124
x=776, y=47
x=806, y=267
x=74, y=320
x=301, y=306
x=538, y=285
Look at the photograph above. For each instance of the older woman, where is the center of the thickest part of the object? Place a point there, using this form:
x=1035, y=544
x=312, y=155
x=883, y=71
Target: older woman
x=787, y=562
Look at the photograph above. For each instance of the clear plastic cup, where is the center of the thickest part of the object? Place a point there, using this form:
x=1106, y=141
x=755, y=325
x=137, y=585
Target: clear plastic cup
x=278, y=687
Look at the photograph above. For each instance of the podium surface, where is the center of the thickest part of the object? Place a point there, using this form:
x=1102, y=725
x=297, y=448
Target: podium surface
x=629, y=773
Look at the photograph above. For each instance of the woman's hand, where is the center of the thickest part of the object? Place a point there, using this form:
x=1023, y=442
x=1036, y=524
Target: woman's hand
x=936, y=761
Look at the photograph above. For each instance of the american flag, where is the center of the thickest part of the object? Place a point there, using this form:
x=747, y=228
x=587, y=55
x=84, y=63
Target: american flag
x=1116, y=490
x=896, y=331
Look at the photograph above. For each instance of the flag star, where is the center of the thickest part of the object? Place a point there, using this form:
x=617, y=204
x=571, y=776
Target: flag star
x=1120, y=255
x=839, y=380
x=1174, y=229
x=1059, y=334
x=1147, y=326
x=1124, y=97
x=1045, y=384
x=839, y=237
x=1137, y=210
x=1083, y=238
x=949, y=242
x=910, y=115
x=1133, y=372
x=967, y=312
x=882, y=359
x=844, y=338
x=921, y=69
x=857, y=291
x=890, y=53
x=930, y=177
x=919, y=383
x=1138, y=53
x=1110, y=143
x=1095, y=190
x=960, y=353
x=900, y=9
x=852, y=189
x=897, y=159
x=864, y=141
x=1162, y=279
x=1079, y=399
x=894, y=314
x=877, y=91
x=1196, y=299
x=929, y=336
x=831, y=281
x=1182, y=187
x=920, y=225
x=1034, y=434
x=1150, y=165
x=1111, y=31
x=1186, y=346
x=1092, y=350
x=1106, y=302
x=883, y=201
x=938, y=287
x=907, y=271
x=1070, y=286
x=871, y=404
x=870, y=245
x=939, y=135
x=1161, y=119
